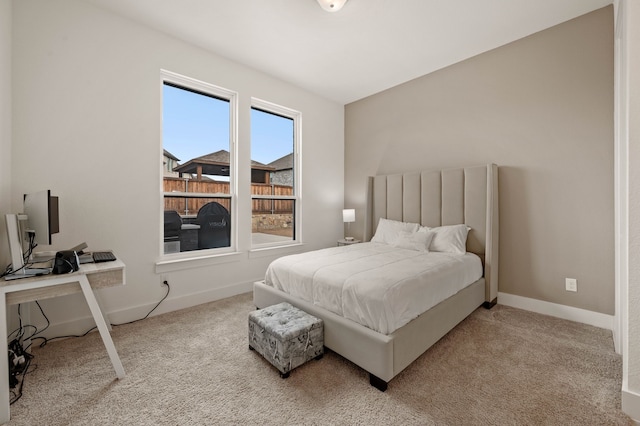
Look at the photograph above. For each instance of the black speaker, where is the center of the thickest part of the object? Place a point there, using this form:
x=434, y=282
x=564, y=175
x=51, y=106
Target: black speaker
x=66, y=261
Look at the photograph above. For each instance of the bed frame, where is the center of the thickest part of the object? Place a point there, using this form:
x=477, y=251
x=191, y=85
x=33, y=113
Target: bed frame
x=433, y=198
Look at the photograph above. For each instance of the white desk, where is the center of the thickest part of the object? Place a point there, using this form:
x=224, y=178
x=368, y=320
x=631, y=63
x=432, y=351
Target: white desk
x=90, y=276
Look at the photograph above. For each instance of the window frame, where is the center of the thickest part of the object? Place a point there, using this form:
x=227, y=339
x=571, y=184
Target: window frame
x=206, y=89
x=296, y=197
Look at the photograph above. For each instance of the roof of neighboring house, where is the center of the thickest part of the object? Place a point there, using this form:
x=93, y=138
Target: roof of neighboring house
x=170, y=155
x=283, y=163
x=216, y=163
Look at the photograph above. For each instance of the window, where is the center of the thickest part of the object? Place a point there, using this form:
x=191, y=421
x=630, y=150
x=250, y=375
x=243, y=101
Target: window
x=274, y=174
x=198, y=165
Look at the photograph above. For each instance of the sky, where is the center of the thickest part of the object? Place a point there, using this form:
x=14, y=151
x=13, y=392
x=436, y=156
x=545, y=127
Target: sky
x=194, y=125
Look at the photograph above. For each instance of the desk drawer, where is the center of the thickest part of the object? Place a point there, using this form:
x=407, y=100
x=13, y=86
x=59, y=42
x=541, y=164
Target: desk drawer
x=98, y=280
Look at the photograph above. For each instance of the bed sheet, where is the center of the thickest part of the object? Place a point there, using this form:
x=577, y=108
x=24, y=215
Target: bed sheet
x=377, y=285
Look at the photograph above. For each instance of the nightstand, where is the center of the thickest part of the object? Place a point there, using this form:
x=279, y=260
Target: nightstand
x=344, y=242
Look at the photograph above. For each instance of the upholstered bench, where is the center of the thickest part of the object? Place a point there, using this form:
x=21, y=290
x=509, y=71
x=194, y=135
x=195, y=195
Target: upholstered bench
x=286, y=336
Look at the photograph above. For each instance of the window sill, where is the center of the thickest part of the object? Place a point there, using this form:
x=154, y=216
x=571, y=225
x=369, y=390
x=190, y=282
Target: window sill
x=280, y=250
x=196, y=261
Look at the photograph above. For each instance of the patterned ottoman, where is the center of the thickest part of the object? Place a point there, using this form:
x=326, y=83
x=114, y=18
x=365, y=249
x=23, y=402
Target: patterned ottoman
x=286, y=336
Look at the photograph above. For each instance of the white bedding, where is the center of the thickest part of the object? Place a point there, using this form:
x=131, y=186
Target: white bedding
x=377, y=285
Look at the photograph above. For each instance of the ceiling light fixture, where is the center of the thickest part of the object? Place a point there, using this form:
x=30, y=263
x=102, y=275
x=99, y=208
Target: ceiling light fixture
x=331, y=5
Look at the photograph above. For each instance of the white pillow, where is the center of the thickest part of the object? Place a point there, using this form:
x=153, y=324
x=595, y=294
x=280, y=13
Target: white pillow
x=388, y=230
x=418, y=241
x=449, y=239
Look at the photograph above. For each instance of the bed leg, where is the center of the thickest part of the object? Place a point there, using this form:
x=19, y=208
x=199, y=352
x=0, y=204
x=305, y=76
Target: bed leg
x=489, y=305
x=377, y=383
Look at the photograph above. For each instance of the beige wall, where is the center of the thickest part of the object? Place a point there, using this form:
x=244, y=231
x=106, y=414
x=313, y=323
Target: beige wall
x=542, y=109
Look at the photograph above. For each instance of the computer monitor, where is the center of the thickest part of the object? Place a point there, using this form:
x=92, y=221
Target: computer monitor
x=42, y=215
x=40, y=219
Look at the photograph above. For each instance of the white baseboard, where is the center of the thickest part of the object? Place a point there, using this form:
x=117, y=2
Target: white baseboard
x=82, y=324
x=189, y=300
x=631, y=405
x=570, y=313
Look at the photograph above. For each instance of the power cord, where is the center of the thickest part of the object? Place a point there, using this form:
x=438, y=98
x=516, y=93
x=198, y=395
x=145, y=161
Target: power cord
x=19, y=367
x=165, y=282
x=19, y=358
x=46, y=340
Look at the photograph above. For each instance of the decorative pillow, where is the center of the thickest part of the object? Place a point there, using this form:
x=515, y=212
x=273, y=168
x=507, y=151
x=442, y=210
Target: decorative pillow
x=389, y=230
x=449, y=239
x=418, y=241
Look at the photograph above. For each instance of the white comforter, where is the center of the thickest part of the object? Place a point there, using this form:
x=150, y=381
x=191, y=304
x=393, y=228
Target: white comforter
x=377, y=285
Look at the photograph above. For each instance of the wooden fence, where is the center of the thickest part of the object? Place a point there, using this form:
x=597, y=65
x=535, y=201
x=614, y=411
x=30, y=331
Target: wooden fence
x=190, y=206
x=271, y=206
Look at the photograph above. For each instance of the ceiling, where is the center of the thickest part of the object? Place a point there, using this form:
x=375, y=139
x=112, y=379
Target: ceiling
x=367, y=47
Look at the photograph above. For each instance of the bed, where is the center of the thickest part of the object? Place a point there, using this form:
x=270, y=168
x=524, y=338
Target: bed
x=434, y=198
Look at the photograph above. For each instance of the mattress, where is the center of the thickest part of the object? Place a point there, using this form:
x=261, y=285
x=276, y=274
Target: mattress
x=376, y=285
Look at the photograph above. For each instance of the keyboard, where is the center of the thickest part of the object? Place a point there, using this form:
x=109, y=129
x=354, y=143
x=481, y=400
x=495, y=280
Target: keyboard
x=103, y=256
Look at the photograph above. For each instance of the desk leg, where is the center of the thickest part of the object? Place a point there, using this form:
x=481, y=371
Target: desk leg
x=4, y=362
x=104, y=315
x=102, y=325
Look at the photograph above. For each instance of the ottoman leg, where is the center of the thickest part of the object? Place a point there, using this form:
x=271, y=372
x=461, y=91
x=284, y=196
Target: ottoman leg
x=285, y=375
x=319, y=357
x=251, y=348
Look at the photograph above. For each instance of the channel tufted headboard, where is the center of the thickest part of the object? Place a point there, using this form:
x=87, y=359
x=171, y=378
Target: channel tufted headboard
x=433, y=198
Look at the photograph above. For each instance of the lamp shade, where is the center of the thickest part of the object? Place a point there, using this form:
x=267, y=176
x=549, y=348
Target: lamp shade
x=331, y=5
x=348, y=215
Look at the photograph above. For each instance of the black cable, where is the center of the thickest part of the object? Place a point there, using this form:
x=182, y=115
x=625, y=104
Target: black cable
x=45, y=317
x=18, y=330
x=154, y=308
x=19, y=352
x=18, y=393
x=21, y=332
x=25, y=256
x=32, y=244
x=46, y=340
x=9, y=270
x=36, y=332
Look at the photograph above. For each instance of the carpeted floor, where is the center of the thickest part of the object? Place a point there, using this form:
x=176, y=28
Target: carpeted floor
x=193, y=367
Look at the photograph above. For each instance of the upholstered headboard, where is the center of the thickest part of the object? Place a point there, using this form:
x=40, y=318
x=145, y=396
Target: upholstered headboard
x=432, y=198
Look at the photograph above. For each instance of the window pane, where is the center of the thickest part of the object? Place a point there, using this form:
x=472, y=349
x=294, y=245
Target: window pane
x=188, y=207
x=208, y=227
x=272, y=173
x=272, y=221
x=197, y=160
x=195, y=135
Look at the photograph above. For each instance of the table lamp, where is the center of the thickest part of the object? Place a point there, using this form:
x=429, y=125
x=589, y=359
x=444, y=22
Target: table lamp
x=348, y=216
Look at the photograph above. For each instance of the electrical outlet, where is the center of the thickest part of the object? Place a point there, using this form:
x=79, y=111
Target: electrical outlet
x=571, y=284
x=163, y=278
